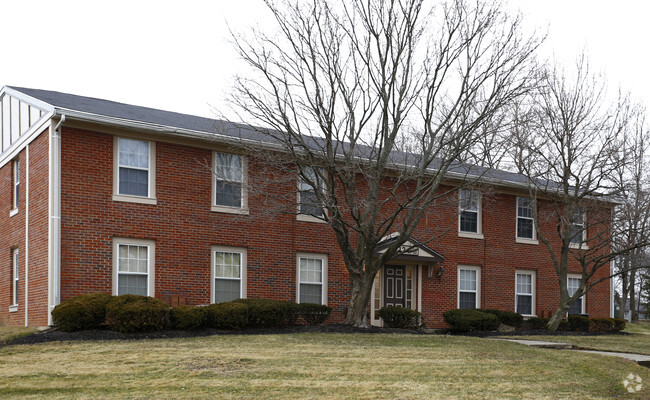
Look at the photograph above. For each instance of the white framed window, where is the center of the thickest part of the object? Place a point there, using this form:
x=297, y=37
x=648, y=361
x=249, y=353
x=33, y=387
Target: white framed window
x=469, y=215
x=309, y=209
x=525, y=222
x=229, y=192
x=15, y=279
x=573, y=284
x=525, y=292
x=578, y=231
x=133, y=266
x=15, y=195
x=228, y=274
x=312, y=278
x=134, y=170
x=469, y=287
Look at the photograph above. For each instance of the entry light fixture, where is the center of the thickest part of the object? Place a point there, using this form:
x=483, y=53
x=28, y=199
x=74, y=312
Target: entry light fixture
x=440, y=271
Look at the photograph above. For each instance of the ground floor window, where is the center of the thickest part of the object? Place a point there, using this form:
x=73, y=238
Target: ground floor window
x=469, y=282
x=133, y=267
x=228, y=274
x=15, y=277
x=525, y=292
x=573, y=284
x=312, y=278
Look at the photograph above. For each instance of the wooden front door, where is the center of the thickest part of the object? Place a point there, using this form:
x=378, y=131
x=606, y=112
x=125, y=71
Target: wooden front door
x=394, y=286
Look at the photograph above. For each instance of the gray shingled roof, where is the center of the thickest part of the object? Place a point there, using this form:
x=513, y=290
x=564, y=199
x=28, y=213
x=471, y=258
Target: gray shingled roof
x=128, y=112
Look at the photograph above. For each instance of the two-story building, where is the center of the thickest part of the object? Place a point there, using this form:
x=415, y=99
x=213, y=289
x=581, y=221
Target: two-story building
x=99, y=196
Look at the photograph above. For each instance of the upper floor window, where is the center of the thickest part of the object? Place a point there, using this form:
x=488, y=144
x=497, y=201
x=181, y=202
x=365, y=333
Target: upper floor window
x=229, y=190
x=312, y=278
x=308, y=204
x=228, y=274
x=525, y=222
x=469, y=285
x=469, y=220
x=133, y=269
x=134, y=171
x=525, y=293
x=578, y=227
x=16, y=185
x=573, y=284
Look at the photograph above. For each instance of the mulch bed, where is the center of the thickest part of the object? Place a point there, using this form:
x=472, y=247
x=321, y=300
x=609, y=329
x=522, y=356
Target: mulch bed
x=55, y=335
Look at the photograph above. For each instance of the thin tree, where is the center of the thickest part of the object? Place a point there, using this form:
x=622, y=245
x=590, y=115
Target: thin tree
x=369, y=104
x=573, y=149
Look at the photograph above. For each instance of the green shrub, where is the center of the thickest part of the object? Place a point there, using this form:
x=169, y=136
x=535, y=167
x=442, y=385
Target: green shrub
x=400, y=317
x=506, y=317
x=619, y=324
x=231, y=315
x=86, y=311
x=188, y=317
x=537, y=322
x=133, y=313
x=601, y=324
x=470, y=320
x=265, y=313
x=564, y=325
x=314, y=314
x=578, y=323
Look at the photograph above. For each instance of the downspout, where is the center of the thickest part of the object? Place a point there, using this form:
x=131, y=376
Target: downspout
x=27, y=236
x=55, y=219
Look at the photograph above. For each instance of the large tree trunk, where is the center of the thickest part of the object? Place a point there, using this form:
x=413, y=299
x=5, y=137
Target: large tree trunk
x=360, y=289
x=558, y=315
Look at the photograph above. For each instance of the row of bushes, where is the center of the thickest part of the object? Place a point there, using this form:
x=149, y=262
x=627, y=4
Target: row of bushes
x=581, y=324
x=400, y=317
x=132, y=313
x=481, y=319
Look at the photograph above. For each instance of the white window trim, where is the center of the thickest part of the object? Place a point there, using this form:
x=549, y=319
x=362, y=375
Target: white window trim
x=151, y=198
x=323, y=258
x=244, y=261
x=583, y=297
x=479, y=218
x=478, y=284
x=15, y=181
x=152, y=262
x=243, y=210
x=305, y=217
x=533, y=294
x=523, y=240
x=15, y=279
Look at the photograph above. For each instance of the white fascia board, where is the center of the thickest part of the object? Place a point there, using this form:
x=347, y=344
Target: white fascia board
x=47, y=107
x=25, y=138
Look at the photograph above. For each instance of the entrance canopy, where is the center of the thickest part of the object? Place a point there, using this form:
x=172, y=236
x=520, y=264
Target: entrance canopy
x=412, y=250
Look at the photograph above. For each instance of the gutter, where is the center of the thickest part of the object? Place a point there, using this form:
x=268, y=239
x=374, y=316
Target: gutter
x=27, y=235
x=54, y=221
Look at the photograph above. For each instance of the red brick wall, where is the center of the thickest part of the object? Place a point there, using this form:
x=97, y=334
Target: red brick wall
x=184, y=230
x=13, y=235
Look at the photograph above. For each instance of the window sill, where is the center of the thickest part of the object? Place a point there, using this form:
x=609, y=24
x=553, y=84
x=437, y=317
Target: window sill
x=526, y=241
x=13, y=308
x=308, y=218
x=470, y=235
x=230, y=210
x=13, y=212
x=135, y=199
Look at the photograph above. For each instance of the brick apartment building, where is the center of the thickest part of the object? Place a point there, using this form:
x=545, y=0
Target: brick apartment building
x=98, y=196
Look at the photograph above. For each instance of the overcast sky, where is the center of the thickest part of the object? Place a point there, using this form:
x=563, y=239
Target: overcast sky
x=175, y=55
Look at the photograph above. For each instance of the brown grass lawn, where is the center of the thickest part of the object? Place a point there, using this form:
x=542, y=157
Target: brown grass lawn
x=8, y=333
x=308, y=366
x=638, y=340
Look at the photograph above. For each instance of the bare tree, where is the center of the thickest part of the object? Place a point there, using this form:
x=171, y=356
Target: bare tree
x=573, y=148
x=632, y=219
x=370, y=103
